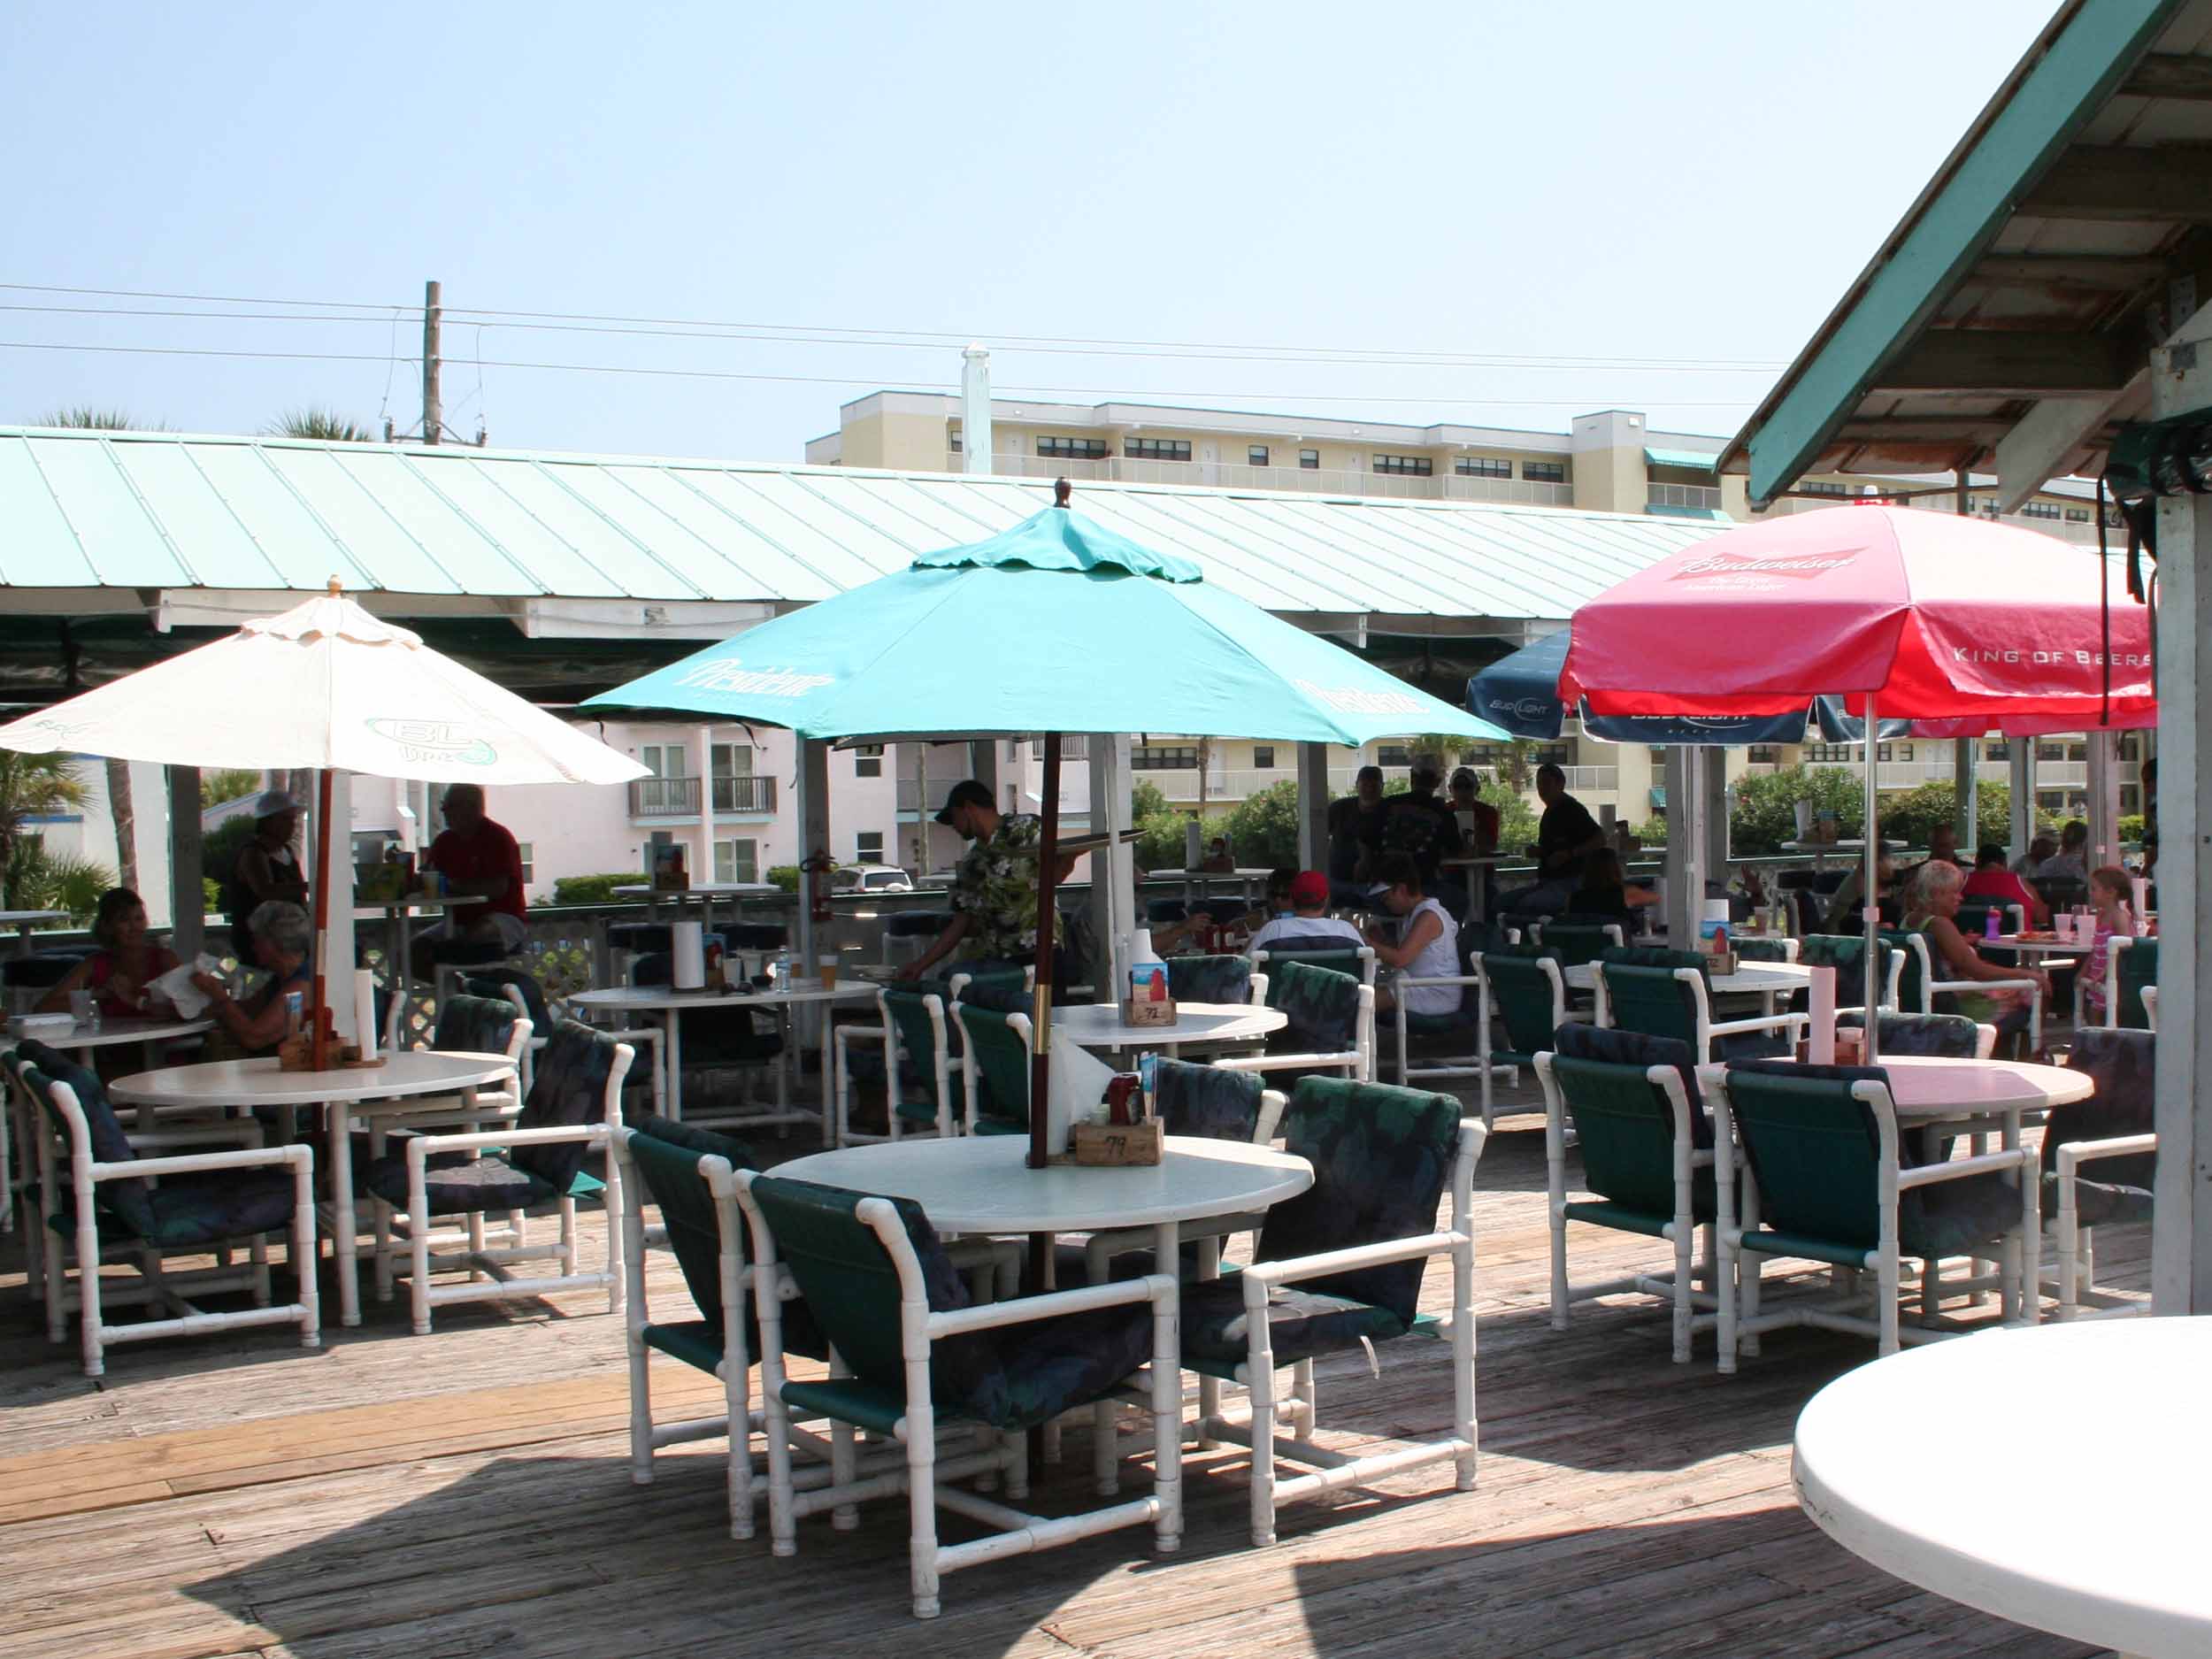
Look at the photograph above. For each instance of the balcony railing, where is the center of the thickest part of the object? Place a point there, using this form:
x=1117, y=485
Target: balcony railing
x=679, y=797
x=1446, y=486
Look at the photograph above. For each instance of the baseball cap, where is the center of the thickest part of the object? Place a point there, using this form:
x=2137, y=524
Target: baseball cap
x=274, y=803
x=1310, y=886
x=968, y=792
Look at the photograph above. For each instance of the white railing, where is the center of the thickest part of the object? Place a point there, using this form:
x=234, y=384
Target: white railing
x=1701, y=495
x=1445, y=486
x=1910, y=774
x=2064, y=529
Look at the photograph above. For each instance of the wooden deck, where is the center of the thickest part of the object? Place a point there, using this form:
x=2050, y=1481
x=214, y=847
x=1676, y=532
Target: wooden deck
x=468, y=1494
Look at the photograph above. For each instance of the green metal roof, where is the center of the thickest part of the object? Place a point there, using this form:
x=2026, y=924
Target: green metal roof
x=2002, y=322
x=97, y=519
x=1702, y=515
x=1695, y=460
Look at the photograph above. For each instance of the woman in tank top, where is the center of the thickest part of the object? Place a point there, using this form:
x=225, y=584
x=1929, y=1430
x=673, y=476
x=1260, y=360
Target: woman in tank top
x=1426, y=944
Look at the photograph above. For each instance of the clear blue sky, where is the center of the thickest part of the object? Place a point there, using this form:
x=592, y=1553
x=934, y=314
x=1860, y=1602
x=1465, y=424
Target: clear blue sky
x=1694, y=183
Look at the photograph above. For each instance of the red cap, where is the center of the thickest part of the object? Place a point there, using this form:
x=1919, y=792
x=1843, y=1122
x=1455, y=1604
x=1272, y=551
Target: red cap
x=1309, y=887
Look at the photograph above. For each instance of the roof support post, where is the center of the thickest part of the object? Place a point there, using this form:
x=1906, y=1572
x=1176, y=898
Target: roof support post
x=703, y=737
x=1966, y=756
x=1313, y=806
x=2022, y=751
x=188, y=900
x=1113, y=867
x=814, y=837
x=1712, y=801
x=1686, y=847
x=2181, y=1231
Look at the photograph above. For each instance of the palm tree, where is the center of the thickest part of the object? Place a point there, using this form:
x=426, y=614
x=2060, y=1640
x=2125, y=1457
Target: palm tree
x=86, y=418
x=31, y=786
x=228, y=784
x=310, y=420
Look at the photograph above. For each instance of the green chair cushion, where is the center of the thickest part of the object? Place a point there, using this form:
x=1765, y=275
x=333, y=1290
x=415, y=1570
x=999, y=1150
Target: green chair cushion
x=1302, y=1322
x=1207, y=1101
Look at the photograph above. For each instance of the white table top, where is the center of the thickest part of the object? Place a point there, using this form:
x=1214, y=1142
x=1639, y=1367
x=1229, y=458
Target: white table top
x=649, y=998
x=1748, y=976
x=980, y=1183
x=2045, y=947
x=12, y=918
x=1099, y=1025
x=700, y=890
x=1239, y=872
x=113, y=1030
x=2102, y=1541
x=1929, y=1087
x=369, y=909
x=260, y=1082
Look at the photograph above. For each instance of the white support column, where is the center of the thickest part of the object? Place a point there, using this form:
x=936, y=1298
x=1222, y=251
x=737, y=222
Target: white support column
x=703, y=737
x=2181, y=1228
x=814, y=836
x=983, y=766
x=188, y=902
x=2023, y=764
x=2104, y=800
x=338, y=965
x=1113, y=869
x=1712, y=768
x=1966, y=756
x=1313, y=806
x=1686, y=848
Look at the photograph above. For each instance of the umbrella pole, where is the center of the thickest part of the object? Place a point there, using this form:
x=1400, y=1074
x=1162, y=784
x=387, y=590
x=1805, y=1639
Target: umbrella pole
x=1048, y=913
x=1872, y=909
x=320, y=1041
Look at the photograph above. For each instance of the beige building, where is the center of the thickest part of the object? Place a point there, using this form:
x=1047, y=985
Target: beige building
x=1609, y=460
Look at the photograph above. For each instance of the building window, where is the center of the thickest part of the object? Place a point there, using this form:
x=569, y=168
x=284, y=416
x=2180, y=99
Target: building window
x=2078, y=515
x=868, y=847
x=730, y=760
x=1549, y=755
x=1157, y=449
x=529, y=861
x=1481, y=466
x=1263, y=756
x=737, y=861
x=1544, y=472
x=953, y=444
x=2038, y=510
x=1255, y=455
x=1406, y=465
x=1309, y=460
x=1817, y=487
x=1832, y=754
x=1164, y=757
x=1072, y=449
x=1393, y=754
x=1763, y=754
x=663, y=760
x=868, y=760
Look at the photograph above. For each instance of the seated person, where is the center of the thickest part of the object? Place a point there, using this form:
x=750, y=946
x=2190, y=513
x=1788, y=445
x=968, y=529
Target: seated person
x=1217, y=859
x=1931, y=901
x=1843, y=909
x=2040, y=848
x=2070, y=863
x=120, y=972
x=474, y=858
x=1992, y=880
x=1426, y=945
x=1605, y=890
x=1309, y=923
x=284, y=943
x=1466, y=796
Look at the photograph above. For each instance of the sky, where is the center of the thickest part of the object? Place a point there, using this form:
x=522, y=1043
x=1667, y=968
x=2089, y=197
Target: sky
x=1294, y=197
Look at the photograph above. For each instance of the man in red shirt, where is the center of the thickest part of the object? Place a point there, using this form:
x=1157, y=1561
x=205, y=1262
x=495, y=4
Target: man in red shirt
x=474, y=858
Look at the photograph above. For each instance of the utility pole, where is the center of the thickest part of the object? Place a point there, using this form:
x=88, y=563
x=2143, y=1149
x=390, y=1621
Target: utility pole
x=432, y=315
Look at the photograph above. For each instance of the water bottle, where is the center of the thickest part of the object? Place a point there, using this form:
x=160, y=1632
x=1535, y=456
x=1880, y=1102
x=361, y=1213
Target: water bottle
x=1991, y=928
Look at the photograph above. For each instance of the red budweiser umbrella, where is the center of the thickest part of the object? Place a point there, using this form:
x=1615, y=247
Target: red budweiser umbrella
x=1902, y=612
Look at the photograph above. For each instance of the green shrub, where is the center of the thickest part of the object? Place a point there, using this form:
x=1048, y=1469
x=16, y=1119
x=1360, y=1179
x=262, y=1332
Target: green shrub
x=593, y=889
x=2132, y=826
x=785, y=876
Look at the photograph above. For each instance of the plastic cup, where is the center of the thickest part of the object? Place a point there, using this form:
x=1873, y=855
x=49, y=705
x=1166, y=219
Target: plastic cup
x=80, y=1007
x=826, y=965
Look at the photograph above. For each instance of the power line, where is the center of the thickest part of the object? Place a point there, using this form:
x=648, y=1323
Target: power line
x=895, y=338
x=831, y=380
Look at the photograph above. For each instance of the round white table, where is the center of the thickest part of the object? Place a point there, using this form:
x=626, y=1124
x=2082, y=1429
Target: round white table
x=112, y=1029
x=2032, y=947
x=1929, y=1089
x=1749, y=976
x=704, y=893
x=667, y=1004
x=1099, y=1025
x=2101, y=1542
x=262, y=1083
x=982, y=1184
x=23, y=921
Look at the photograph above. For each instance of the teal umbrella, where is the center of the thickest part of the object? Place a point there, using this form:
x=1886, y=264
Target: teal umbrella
x=1056, y=626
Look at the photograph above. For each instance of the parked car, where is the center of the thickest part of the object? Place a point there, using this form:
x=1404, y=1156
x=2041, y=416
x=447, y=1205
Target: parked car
x=870, y=878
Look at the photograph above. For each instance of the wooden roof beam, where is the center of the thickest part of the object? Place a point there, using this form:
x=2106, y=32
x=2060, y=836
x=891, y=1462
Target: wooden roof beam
x=2169, y=75
x=1930, y=429
x=2118, y=274
x=2110, y=182
x=2008, y=362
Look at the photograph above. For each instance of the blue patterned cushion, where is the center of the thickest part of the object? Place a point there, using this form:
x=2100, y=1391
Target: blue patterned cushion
x=1206, y=1100
x=1210, y=979
x=1949, y=1217
x=128, y=1200
x=474, y=1024
x=1615, y=1047
x=1947, y=1036
x=1380, y=1157
x=2123, y=1062
x=569, y=1087
x=493, y=982
x=1301, y=1322
x=191, y=1210
x=1322, y=1007
x=459, y=1182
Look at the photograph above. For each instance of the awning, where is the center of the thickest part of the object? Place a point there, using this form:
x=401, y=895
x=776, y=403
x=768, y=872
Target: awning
x=1691, y=458
x=1704, y=515
x=1659, y=797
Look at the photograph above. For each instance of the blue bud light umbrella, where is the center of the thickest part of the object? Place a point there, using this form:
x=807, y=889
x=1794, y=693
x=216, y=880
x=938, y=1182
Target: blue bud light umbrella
x=1057, y=625
x=1521, y=693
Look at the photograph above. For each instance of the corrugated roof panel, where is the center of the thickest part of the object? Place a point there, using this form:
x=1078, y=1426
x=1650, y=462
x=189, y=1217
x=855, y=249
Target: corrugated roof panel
x=255, y=513
x=119, y=537
x=40, y=549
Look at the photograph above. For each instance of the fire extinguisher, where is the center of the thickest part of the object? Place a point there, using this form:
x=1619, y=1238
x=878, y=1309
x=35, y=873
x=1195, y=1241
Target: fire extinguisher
x=818, y=870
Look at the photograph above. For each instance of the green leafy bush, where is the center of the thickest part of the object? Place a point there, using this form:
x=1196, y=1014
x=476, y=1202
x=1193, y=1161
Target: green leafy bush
x=593, y=889
x=785, y=876
x=1262, y=829
x=2132, y=826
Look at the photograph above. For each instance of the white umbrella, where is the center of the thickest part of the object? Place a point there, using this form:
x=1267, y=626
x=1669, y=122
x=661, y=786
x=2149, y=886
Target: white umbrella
x=326, y=685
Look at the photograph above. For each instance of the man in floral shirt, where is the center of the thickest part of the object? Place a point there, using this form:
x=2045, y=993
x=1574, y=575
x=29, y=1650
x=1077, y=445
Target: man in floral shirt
x=994, y=888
